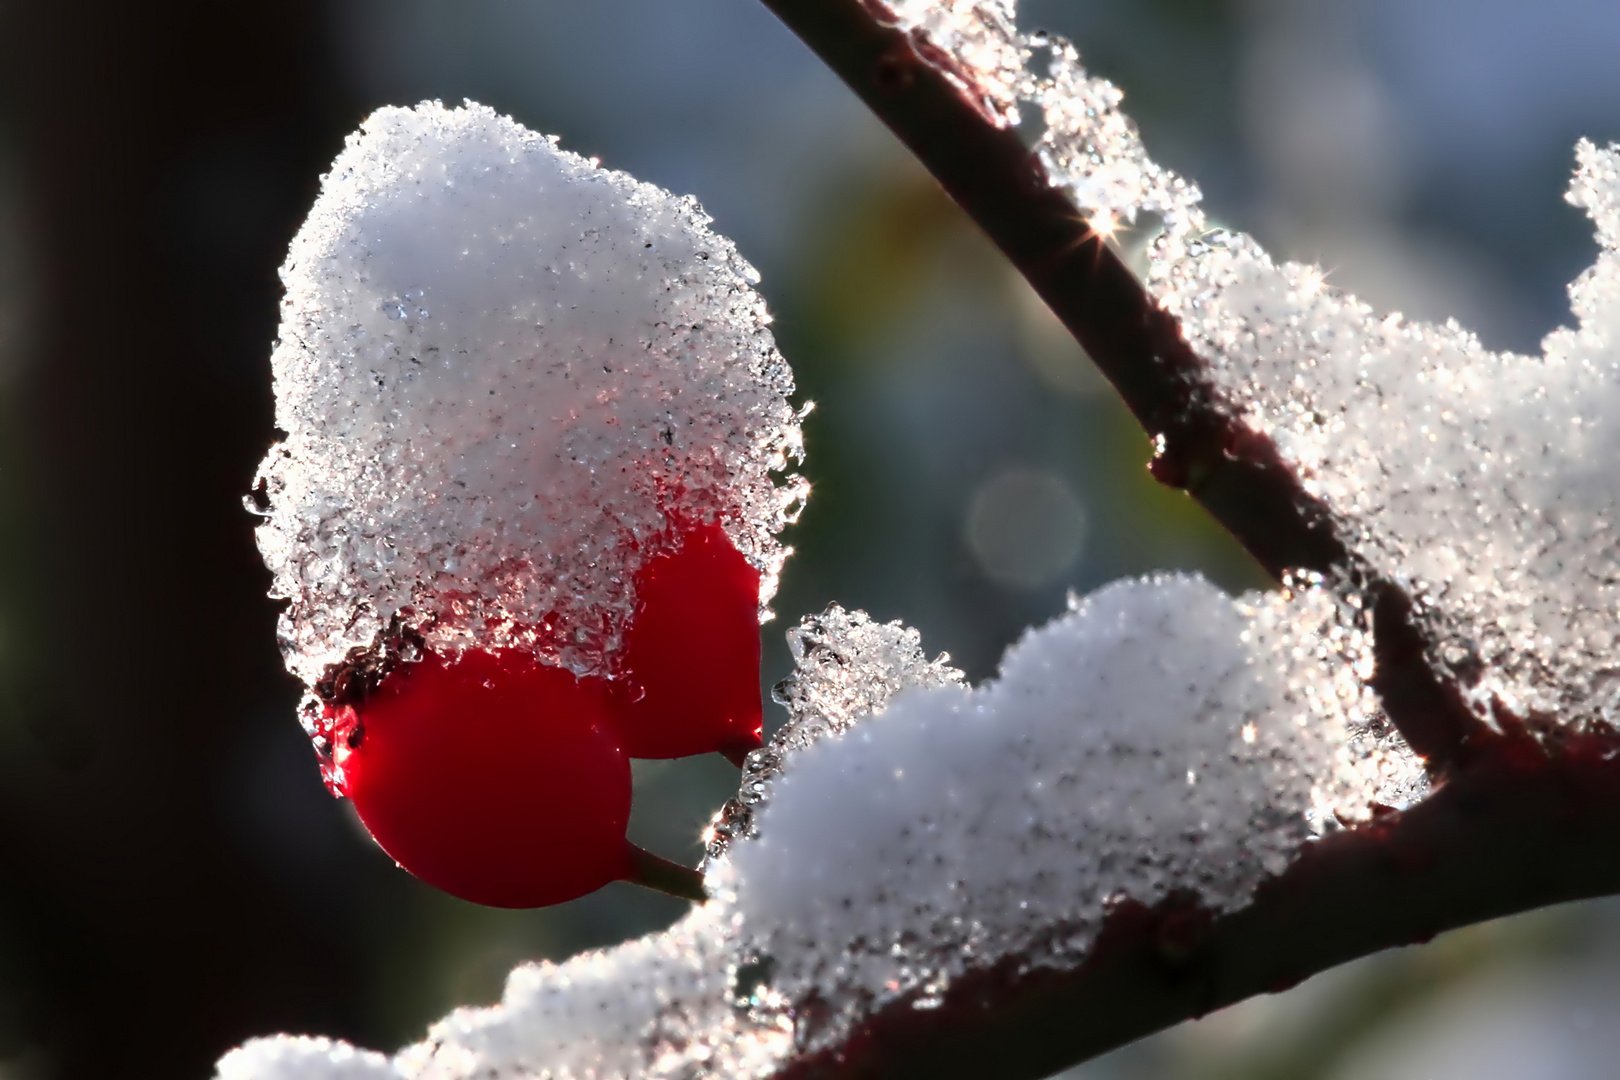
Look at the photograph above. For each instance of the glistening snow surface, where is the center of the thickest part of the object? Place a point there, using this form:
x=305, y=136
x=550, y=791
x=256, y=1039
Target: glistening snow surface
x=1481, y=482
x=299, y=1057
x=846, y=667
x=969, y=37
x=909, y=829
x=1159, y=736
x=503, y=372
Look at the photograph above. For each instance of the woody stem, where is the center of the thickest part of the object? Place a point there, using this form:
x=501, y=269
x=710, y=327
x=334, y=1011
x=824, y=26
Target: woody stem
x=659, y=874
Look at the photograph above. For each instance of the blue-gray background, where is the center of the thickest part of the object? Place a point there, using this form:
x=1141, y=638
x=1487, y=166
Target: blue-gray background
x=174, y=879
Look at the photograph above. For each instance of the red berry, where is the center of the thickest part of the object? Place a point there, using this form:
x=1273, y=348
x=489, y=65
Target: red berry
x=495, y=778
x=691, y=653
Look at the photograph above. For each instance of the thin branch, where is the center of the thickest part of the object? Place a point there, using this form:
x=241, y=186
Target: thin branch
x=660, y=875
x=1233, y=471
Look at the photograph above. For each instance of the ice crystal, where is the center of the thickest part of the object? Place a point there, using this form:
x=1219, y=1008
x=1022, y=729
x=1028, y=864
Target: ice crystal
x=506, y=377
x=904, y=829
x=298, y=1057
x=976, y=45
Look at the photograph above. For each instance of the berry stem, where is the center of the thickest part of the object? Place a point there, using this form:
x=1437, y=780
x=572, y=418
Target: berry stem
x=659, y=874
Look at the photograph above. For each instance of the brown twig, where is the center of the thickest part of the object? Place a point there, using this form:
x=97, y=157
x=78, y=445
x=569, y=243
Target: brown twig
x=659, y=874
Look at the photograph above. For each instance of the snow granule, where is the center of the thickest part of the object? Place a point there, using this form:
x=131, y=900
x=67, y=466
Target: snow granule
x=505, y=376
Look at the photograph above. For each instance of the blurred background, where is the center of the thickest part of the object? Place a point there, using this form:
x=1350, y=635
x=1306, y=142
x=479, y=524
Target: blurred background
x=173, y=877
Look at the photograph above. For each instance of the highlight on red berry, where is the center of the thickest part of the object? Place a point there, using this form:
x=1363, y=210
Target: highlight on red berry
x=535, y=422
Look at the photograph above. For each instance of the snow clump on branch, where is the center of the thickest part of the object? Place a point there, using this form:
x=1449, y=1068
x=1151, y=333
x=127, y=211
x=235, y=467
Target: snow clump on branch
x=1159, y=737
x=1482, y=481
x=299, y=1057
x=906, y=829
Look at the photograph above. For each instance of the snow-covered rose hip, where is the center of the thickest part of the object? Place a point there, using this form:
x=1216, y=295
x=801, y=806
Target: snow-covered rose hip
x=536, y=424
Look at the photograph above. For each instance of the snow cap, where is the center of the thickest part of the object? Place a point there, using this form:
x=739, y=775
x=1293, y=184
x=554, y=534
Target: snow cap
x=507, y=378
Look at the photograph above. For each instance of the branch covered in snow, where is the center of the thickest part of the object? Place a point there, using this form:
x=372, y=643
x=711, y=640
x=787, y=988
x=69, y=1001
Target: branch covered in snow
x=909, y=64
x=1462, y=498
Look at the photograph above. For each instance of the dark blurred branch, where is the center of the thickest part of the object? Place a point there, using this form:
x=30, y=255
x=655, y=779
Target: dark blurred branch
x=1515, y=824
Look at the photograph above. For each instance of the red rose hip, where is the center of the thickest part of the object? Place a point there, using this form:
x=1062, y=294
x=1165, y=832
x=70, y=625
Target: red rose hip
x=500, y=370
x=690, y=663
x=495, y=778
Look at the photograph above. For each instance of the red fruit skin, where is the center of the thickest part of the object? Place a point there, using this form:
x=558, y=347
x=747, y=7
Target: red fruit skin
x=494, y=778
x=690, y=663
